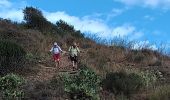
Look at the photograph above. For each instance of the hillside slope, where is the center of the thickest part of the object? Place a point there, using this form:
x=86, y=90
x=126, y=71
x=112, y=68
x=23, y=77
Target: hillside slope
x=39, y=69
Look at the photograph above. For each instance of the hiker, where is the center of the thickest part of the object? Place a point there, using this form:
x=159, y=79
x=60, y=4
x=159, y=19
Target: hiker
x=73, y=51
x=56, y=54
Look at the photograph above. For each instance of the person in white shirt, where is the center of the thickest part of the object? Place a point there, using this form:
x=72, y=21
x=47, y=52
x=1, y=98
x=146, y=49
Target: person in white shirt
x=56, y=50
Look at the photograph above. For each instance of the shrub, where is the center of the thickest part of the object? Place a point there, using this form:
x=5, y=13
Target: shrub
x=9, y=86
x=11, y=56
x=121, y=82
x=149, y=77
x=84, y=85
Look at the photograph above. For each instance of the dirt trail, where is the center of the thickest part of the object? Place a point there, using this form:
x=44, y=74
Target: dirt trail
x=45, y=72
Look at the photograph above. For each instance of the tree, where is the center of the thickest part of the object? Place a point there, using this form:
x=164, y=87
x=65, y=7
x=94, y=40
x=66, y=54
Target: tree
x=35, y=19
x=64, y=28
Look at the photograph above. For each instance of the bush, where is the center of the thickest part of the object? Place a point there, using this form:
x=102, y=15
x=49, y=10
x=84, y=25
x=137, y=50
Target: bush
x=9, y=86
x=149, y=77
x=84, y=85
x=121, y=82
x=11, y=56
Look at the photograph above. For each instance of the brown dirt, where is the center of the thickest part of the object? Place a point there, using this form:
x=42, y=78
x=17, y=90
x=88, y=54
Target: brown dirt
x=46, y=71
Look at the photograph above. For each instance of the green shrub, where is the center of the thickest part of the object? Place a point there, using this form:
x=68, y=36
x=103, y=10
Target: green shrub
x=121, y=82
x=148, y=77
x=11, y=56
x=9, y=86
x=84, y=85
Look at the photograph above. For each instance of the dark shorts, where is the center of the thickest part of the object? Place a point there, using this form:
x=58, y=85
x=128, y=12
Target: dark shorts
x=74, y=58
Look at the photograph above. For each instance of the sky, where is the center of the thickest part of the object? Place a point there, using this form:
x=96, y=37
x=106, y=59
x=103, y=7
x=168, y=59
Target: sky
x=145, y=21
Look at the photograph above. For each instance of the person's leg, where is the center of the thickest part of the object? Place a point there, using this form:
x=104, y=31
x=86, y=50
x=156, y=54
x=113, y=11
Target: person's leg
x=56, y=64
x=73, y=63
x=55, y=59
x=58, y=60
x=76, y=60
x=72, y=60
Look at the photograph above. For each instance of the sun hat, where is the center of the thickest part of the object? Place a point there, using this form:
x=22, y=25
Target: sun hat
x=55, y=43
x=75, y=44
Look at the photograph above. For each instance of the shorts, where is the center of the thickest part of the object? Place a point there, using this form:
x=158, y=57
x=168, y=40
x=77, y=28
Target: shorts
x=56, y=57
x=74, y=58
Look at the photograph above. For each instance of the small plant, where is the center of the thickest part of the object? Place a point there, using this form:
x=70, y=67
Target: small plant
x=9, y=86
x=84, y=86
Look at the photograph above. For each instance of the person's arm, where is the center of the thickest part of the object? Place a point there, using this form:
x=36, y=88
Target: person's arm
x=60, y=49
x=78, y=50
x=51, y=49
x=69, y=49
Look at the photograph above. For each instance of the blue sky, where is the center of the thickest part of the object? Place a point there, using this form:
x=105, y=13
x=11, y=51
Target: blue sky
x=146, y=21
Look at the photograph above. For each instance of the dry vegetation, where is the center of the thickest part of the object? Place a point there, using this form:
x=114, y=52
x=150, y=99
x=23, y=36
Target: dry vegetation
x=102, y=59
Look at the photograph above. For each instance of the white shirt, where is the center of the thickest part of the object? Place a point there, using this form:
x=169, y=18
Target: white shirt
x=55, y=50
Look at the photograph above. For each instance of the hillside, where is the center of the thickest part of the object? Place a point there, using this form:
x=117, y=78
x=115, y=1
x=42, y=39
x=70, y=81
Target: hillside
x=43, y=82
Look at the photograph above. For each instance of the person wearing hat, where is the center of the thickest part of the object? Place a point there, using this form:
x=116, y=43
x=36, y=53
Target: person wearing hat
x=56, y=53
x=73, y=51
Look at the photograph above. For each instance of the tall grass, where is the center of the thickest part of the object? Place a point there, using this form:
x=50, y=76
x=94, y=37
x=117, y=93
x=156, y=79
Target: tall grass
x=160, y=93
x=12, y=56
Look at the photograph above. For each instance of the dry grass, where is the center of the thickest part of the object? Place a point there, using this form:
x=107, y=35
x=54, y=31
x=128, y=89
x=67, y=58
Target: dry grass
x=101, y=58
x=160, y=93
